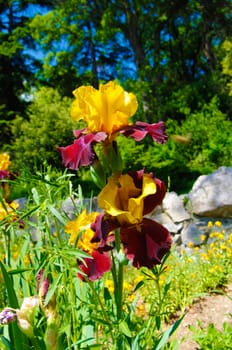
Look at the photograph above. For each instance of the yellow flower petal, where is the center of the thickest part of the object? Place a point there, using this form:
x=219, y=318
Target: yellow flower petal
x=123, y=200
x=107, y=109
x=4, y=161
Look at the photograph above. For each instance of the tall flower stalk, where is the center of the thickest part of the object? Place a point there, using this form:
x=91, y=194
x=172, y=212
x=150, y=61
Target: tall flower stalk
x=120, y=233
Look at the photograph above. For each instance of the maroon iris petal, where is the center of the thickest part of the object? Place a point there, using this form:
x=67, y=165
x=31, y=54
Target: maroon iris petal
x=81, y=152
x=78, y=133
x=96, y=267
x=140, y=129
x=4, y=174
x=146, y=245
x=102, y=227
x=150, y=202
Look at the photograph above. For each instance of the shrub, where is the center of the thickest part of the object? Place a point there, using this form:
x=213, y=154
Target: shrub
x=48, y=126
x=204, y=145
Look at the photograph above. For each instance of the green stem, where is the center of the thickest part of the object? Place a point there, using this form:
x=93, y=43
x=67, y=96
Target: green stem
x=100, y=303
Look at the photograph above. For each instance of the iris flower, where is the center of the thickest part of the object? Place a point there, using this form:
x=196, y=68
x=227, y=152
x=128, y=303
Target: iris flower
x=126, y=200
x=106, y=112
x=99, y=261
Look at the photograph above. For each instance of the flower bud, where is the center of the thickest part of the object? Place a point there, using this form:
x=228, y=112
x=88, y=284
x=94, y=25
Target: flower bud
x=7, y=316
x=25, y=316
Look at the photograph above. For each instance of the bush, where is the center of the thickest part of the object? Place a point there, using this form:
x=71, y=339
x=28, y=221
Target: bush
x=49, y=125
x=204, y=144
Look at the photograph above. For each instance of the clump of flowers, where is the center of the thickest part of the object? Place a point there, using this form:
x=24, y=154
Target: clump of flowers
x=125, y=199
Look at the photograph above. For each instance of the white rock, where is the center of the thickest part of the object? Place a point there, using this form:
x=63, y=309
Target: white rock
x=211, y=194
x=167, y=222
x=173, y=206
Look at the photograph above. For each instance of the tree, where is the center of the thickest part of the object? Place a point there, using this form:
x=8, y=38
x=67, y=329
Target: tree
x=17, y=66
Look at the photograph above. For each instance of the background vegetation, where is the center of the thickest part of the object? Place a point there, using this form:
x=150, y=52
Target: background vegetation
x=175, y=56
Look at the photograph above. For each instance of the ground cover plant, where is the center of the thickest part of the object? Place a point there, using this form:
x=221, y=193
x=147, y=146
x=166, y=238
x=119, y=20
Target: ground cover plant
x=79, y=277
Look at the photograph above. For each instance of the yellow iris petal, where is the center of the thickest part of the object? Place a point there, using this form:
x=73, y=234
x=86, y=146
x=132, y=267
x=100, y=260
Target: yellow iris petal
x=4, y=161
x=107, y=109
x=124, y=200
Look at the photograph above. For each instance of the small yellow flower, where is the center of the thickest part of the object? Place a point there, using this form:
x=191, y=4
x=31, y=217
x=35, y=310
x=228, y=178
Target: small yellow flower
x=204, y=256
x=190, y=244
x=110, y=285
x=81, y=232
x=218, y=223
x=210, y=224
x=107, y=109
x=131, y=298
x=203, y=238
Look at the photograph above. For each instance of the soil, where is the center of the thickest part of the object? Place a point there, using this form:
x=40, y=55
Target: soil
x=214, y=308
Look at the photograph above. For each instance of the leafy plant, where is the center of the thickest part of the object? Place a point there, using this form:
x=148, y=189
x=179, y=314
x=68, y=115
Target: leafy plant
x=211, y=338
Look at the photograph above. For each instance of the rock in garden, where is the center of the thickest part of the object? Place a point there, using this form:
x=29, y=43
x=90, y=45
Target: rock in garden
x=173, y=206
x=211, y=194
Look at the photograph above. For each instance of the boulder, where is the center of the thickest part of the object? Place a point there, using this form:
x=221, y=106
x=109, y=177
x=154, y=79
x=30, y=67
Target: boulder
x=173, y=206
x=211, y=195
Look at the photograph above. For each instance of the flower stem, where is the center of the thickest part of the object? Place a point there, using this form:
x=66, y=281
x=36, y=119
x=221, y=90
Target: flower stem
x=117, y=273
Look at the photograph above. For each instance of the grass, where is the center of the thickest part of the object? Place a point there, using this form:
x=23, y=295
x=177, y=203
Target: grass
x=74, y=314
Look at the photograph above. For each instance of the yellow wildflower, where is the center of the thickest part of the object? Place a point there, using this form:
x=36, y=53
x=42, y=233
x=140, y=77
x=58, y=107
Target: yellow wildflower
x=7, y=209
x=81, y=232
x=218, y=223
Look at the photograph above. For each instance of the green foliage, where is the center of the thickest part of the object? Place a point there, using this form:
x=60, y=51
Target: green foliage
x=85, y=313
x=199, y=144
x=49, y=125
x=212, y=338
x=227, y=62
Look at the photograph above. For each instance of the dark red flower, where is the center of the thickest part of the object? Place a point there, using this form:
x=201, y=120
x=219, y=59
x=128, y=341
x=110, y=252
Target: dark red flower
x=146, y=244
x=96, y=266
x=140, y=130
x=81, y=152
x=102, y=227
x=4, y=174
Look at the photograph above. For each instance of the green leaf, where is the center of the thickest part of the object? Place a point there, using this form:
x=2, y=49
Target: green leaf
x=138, y=285
x=123, y=327
x=16, y=271
x=52, y=289
x=56, y=214
x=163, y=340
x=5, y=343
x=10, y=288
